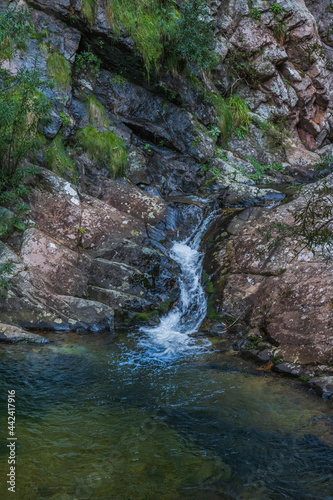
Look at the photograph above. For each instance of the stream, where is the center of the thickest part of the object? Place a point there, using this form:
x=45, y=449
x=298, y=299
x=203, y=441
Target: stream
x=157, y=414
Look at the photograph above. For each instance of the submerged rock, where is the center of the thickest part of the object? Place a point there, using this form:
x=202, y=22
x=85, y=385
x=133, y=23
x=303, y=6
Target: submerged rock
x=323, y=386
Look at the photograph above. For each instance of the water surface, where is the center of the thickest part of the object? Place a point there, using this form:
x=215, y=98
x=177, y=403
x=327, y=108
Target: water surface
x=157, y=414
x=92, y=426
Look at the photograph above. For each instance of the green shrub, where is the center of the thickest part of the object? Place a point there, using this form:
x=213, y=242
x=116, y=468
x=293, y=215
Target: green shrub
x=23, y=108
x=164, y=34
x=195, y=35
x=280, y=29
x=15, y=28
x=59, y=69
x=87, y=61
x=241, y=68
x=256, y=14
x=312, y=222
x=106, y=148
x=277, y=9
x=325, y=162
x=260, y=170
x=6, y=268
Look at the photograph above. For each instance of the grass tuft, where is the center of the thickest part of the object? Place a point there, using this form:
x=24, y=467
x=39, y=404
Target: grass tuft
x=233, y=114
x=97, y=113
x=87, y=8
x=105, y=148
x=57, y=160
x=59, y=70
x=147, y=22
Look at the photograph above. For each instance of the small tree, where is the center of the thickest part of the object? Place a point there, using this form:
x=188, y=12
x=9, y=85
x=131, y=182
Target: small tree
x=23, y=107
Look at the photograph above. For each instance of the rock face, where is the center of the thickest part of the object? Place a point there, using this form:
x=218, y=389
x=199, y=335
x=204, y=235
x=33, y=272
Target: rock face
x=95, y=253
x=282, y=288
x=282, y=58
x=86, y=258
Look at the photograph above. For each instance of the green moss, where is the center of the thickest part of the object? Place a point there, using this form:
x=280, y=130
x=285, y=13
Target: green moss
x=87, y=7
x=148, y=317
x=212, y=314
x=208, y=285
x=97, y=113
x=106, y=148
x=57, y=160
x=58, y=69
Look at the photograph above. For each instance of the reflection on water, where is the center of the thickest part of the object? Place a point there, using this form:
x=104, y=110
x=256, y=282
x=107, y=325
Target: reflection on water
x=90, y=427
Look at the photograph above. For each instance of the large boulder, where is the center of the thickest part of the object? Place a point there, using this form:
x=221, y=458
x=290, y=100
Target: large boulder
x=272, y=281
x=87, y=257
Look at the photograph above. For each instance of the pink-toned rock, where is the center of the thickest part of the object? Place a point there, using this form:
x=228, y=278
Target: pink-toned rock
x=102, y=224
x=286, y=290
x=250, y=36
x=56, y=208
x=54, y=263
x=129, y=199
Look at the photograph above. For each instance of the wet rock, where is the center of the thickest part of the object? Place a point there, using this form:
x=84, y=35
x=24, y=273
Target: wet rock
x=85, y=315
x=52, y=128
x=153, y=117
x=240, y=189
x=137, y=170
x=11, y=334
x=61, y=37
x=292, y=369
x=322, y=385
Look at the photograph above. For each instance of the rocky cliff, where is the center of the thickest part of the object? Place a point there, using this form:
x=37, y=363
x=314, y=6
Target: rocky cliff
x=95, y=251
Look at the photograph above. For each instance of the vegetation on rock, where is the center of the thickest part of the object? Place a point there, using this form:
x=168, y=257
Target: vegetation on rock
x=232, y=115
x=163, y=33
x=23, y=107
x=57, y=159
x=59, y=70
x=105, y=148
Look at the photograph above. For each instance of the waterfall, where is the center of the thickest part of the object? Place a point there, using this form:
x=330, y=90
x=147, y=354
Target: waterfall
x=172, y=339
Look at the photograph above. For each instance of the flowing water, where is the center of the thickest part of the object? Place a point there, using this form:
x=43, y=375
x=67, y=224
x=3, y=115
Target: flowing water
x=156, y=414
x=171, y=339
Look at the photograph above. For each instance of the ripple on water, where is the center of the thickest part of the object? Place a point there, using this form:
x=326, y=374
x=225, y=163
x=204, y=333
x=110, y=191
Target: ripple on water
x=207, y=428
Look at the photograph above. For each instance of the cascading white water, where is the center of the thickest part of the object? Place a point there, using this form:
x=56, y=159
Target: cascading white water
x=171, y=338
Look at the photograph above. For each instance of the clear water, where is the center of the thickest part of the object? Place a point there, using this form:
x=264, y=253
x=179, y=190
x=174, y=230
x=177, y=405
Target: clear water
x=157, y=415
x=90, y=427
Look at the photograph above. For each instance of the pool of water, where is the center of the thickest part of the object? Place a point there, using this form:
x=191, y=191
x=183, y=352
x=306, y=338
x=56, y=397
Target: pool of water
x=95, y=423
